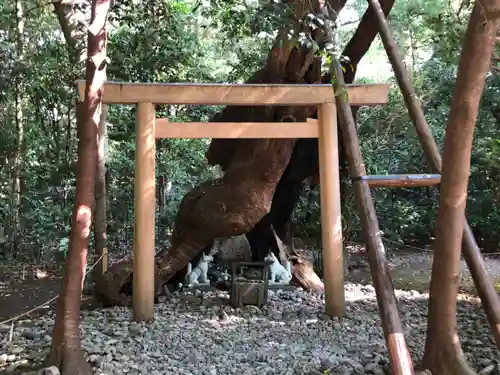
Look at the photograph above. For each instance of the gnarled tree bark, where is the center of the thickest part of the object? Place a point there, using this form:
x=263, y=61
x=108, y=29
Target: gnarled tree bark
x=263, y=178
x=304, y=161
x=253, y=167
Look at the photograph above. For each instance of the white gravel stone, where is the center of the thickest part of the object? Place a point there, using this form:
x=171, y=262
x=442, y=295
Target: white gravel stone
x=291, y=335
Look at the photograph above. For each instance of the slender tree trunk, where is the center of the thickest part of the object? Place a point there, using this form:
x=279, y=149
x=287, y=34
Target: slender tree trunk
x=443, y=353
x=69, y=13
x=66, y=350
x=413, y=52
x=19, y=157
x=100, y=237
x=69, y=133
x=470, y=248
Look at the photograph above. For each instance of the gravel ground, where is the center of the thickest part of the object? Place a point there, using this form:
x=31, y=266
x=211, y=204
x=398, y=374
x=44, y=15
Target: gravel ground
x=289, y=336
x=411, y=269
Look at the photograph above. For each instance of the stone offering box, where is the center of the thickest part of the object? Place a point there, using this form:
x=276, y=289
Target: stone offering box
x=250, y=283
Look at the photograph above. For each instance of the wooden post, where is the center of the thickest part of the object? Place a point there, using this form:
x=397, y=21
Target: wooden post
x=386, y=298
x=331, y=225
x=144, y=229
x=470, y=249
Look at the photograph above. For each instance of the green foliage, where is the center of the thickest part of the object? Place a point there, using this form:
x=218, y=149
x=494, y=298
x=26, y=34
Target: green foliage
x=390, y=145
x=224, y=41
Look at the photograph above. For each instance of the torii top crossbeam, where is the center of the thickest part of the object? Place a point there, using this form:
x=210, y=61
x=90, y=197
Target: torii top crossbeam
x=236, y=94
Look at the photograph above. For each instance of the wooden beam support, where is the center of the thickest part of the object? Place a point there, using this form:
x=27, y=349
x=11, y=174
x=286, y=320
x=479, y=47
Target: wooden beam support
x=235, y=94
x=386, y=298
x=472, y=253
x=402, y=180
x=166, y=129
x=331, y=224
x=144, y=229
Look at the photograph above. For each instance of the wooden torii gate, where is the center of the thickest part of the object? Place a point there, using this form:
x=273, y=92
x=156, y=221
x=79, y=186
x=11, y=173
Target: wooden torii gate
x=148, y=128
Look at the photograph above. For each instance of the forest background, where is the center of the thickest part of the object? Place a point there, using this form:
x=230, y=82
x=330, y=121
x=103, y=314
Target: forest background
x=219, y=41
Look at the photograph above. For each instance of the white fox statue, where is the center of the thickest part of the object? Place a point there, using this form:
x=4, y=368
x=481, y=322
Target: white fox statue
x=278, y=273
x=199, y=274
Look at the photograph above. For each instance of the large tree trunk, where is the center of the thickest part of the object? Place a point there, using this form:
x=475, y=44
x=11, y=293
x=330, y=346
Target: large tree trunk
x=253, y=167
x=304, y=162
x=443, y=354
x=292, y=65
x=228, y=207
x=261, y=176
x=66, y=351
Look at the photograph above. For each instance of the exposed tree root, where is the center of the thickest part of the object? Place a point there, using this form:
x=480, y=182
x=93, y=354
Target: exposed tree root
x=446, y=359
x=69, y=360
x=66, y=351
